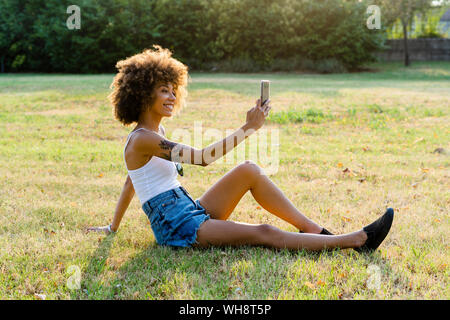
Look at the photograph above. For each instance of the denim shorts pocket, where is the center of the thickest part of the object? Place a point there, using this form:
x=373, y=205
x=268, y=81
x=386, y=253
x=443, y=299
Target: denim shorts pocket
x=166, y=204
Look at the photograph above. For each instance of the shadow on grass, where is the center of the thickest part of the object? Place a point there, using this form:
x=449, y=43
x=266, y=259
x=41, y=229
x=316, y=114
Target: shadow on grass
x=91, y=282
x=160, y=272
x=389, y=280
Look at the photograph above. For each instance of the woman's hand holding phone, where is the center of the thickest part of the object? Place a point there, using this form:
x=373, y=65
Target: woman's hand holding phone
x=257, y=115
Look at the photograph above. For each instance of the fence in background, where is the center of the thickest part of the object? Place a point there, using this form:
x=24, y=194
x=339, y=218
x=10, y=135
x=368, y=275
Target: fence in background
x=419, y=50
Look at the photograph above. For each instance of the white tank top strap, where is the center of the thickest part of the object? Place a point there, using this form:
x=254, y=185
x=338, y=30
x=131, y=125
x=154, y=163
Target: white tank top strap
x=126, y=143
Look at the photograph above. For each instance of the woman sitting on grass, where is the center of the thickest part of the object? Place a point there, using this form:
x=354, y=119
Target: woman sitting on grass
x=150, y=86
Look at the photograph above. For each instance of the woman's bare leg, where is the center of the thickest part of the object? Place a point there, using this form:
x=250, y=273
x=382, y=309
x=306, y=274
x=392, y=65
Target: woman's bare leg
x=215, y=232
x=221, y=199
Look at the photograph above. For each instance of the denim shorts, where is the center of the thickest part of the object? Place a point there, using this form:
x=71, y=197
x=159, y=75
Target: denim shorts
x=175, y=217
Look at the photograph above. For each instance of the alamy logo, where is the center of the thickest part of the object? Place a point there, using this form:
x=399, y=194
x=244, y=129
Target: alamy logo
x=374, y=280
x=259, y=148
x=374, y=20
x=74, y=281
x=74, y=20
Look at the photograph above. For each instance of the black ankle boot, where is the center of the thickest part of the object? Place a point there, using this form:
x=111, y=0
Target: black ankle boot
x=377, y=232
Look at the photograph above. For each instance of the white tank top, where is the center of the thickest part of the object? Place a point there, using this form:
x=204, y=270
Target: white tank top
x=156, y=176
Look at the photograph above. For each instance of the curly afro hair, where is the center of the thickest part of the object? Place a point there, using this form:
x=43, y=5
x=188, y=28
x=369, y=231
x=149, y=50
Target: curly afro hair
x=138, y=76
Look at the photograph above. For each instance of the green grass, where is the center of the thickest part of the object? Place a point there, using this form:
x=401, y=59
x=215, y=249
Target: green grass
x=61, y=170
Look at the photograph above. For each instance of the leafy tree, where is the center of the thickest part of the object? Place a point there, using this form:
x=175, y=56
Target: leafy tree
x=404, y=11
x=331, y=29
x=14, y=23
x=188, y=27
x=250, y=29
x=265, y=30
x=34, y=35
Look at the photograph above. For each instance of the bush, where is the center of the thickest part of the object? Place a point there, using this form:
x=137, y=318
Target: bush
x=228, y=35
x=188, y=28
x=240, y=64
x=245, y=65
x=332, y=33
x=285, y=64
x=431, y=34
x=108, y=33
x=332, y=29
x=330, y=66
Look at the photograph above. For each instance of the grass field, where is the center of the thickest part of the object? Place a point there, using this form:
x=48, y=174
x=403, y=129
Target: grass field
x=350, y=146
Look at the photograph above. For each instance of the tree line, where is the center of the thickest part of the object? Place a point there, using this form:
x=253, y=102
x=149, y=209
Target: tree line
x=229, y=35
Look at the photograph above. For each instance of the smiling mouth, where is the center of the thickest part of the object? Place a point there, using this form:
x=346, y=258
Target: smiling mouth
x=169, y=106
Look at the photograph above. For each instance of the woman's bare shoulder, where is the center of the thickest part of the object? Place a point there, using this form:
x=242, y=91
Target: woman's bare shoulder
x=145, y=136
x=139, y=149
x=145, y=133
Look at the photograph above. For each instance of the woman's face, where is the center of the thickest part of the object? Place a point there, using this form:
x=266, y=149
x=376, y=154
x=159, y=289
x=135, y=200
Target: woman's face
x=164, y=99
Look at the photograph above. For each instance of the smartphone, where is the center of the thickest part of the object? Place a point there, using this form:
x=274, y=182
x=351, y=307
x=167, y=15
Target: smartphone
x=264, y=91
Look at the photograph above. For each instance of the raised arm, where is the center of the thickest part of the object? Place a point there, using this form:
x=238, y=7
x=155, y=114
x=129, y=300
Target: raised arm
x=151, y=143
